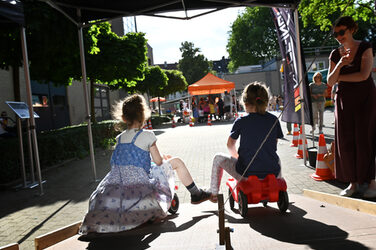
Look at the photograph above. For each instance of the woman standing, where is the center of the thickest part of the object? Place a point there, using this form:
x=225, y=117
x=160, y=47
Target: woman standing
x=318, y=89
x=355, y=109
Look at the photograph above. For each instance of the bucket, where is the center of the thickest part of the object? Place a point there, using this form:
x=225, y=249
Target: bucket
x=312, y=155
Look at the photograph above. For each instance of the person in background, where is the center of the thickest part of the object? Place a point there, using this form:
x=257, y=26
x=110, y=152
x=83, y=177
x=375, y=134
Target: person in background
x=227, y=105
x=355, y=109
x=318, y=89
x=194, y=109
x=289, y=128
x=220, y=105
x=5, y=130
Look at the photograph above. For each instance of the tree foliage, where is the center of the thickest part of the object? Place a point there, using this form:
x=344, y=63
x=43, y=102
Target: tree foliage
x=323, y=12
x=116, y=61
x=154, y=82
x=252, y=38
x=193, y=65
x=176, y=82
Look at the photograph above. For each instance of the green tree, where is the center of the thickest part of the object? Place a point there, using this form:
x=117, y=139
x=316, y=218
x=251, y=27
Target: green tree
x=153, y=84
x=117, y=61
x=322, y=14
x=193, y=65
x=252, y=38
x=176, y=82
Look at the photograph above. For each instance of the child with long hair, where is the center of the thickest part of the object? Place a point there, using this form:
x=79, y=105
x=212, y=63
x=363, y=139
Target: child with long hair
x=252, y=129
x=136, y=190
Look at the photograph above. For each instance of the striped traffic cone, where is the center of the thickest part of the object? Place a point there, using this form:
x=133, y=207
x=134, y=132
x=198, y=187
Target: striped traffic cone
x=149, y=124
x=209, y=121
x=145, y=125
x=295, y=138
x=191, y=124
x=323, y=172
x=173, y=122
x=299, y=154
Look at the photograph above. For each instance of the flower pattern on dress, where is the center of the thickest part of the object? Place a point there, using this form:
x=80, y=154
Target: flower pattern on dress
x=132, y=193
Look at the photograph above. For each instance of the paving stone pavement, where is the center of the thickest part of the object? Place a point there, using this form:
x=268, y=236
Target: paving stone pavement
x=25, y=215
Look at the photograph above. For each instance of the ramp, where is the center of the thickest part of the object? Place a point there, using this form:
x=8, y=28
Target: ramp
x=308, y=224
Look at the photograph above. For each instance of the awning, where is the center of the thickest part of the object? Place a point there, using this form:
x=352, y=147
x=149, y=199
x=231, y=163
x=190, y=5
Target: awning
x=210, y=84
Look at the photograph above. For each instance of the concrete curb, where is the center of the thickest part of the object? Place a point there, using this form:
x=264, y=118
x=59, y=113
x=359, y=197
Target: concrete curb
x=346, y=202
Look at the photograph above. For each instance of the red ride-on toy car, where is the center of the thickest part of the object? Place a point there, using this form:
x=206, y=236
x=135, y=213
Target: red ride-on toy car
x=253, y=190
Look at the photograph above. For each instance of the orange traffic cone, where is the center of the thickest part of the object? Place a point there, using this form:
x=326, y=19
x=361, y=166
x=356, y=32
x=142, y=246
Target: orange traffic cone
x=190, y=122
x=323, y=172
x=295, y=138
x=173, y=122
x=209, y=120
x=299, y=154
x=145, y=125
x=149, y=124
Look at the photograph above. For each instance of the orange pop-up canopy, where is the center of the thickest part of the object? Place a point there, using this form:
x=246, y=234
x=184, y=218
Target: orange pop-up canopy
x=210, y=84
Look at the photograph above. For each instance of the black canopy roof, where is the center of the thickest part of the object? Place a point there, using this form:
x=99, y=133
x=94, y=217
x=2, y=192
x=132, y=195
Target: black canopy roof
x=108, y=9
x=11, y=12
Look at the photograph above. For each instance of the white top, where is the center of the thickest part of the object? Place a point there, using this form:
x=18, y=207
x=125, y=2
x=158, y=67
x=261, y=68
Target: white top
x=227, y=100
x=144, y=140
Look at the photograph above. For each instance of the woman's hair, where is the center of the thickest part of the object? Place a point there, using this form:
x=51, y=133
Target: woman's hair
x=256, y=94
x=133, y=109
x=347, y=21
x=317, y=75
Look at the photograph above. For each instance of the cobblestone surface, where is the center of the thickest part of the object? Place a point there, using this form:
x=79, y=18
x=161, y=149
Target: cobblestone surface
x=24, y=214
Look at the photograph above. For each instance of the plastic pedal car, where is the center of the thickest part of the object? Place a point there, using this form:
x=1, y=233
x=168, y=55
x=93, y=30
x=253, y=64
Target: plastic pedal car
x=255, y=190
x=174, y=203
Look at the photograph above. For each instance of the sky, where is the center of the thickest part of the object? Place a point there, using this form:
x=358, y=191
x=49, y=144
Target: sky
x=209, y=33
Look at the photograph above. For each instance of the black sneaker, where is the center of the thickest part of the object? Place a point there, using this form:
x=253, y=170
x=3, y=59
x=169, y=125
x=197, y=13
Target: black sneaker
x=203, y=196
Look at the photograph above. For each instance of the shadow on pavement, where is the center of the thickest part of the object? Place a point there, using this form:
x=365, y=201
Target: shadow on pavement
x=140, y=238
x=294, y=228
x=72, y=182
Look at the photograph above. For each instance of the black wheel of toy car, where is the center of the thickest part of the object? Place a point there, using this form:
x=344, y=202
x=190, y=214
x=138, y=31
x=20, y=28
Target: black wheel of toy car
x=231, y=199
x=283, y=201
x=174, y=205
x=243, y=204
x=265, y=203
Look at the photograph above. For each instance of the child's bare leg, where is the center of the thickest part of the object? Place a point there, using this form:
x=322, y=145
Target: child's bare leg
x=197, y=194
x=181, y=170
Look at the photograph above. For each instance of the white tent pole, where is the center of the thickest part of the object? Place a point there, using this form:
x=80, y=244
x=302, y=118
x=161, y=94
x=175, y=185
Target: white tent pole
x=300, y=79
x=30, y=104
x=83, y=68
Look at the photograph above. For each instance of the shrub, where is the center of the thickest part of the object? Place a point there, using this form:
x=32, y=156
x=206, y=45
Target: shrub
x=56, y=146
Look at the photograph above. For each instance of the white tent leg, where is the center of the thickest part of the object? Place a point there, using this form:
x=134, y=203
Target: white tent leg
x=31, y=111
x=83, y=68
x=300, y=80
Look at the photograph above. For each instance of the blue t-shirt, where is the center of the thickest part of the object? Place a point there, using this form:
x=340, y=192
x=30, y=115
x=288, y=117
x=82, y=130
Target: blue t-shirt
x=253, y=129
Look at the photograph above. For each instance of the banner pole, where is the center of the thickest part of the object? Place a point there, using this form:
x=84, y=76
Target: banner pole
x=300, y=80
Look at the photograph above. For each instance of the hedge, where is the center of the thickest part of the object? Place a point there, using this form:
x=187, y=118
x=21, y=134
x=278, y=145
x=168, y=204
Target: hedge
x=57, y=146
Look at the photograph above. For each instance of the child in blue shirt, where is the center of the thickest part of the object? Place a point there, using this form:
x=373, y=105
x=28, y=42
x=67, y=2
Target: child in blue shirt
x=252, y=129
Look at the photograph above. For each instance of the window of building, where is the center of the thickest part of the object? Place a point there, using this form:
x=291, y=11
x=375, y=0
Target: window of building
x=40, y=100
x=101, y=103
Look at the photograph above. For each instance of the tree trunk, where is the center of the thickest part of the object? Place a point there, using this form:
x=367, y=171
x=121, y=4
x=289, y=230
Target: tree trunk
x=159, y=106
x=92, y=109
x=16, y=83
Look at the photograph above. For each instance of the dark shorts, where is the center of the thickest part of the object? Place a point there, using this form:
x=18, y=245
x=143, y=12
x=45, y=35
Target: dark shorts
x=226, y=109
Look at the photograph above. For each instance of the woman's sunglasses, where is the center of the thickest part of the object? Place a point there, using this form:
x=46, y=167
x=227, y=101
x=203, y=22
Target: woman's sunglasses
x=339, y=33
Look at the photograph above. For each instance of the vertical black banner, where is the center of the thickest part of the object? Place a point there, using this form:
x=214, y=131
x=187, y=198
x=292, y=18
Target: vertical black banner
x=285, y=26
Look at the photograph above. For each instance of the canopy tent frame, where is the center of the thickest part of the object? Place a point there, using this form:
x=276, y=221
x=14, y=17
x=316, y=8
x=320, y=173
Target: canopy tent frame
x=97, y=11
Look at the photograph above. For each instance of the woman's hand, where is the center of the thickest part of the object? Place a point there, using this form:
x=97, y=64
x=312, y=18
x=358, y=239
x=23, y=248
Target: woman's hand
x=345, y=60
